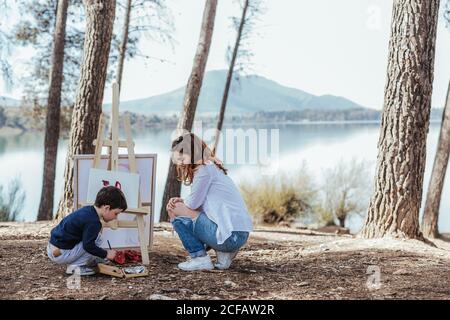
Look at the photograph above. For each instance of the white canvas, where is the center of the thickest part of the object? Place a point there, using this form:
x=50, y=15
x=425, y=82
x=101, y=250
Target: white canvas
x=127, y=182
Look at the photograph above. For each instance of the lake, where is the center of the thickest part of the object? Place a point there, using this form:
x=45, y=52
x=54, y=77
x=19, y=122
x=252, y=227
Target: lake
x=319, y=145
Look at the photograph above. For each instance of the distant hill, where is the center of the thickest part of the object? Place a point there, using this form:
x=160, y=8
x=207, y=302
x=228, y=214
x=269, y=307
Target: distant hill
x=251, y=94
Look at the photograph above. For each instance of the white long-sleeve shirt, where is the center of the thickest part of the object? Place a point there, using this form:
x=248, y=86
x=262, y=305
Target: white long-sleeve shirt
x=215, y=193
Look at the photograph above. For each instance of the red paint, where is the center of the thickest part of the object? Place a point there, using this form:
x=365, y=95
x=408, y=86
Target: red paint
x=106, y=183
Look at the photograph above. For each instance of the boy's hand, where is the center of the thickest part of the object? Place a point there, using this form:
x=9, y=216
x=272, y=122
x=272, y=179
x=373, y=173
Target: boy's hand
x=111, y=254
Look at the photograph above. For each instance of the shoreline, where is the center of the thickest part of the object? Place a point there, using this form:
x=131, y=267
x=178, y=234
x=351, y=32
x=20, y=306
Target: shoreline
x=10, y=131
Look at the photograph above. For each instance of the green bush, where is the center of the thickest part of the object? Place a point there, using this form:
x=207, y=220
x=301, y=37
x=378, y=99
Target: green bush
x=11, y=201
x=284, y=198
x=345, y=192
x=279, y=199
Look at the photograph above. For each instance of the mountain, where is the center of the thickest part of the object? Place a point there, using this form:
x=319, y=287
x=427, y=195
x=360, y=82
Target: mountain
x=248, y=95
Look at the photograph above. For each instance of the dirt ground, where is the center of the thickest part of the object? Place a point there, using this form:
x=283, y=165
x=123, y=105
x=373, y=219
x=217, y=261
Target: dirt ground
x=276, y=263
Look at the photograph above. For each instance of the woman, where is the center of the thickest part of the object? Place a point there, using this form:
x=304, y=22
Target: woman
x=214, y=215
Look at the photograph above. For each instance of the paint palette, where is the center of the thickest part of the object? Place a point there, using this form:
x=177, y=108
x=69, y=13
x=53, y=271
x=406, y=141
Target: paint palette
x=126, y=272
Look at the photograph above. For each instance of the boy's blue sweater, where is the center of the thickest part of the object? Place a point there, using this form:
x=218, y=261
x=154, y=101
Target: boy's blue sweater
x=83, y=225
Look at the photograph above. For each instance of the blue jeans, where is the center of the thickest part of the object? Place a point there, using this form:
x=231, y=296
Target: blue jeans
x=200, y=233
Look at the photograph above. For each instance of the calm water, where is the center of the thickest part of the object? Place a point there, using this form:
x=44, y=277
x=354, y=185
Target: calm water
x=321, y=146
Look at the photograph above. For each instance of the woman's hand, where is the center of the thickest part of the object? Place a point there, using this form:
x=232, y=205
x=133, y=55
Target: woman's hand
x=172, y=202
x=180, y=209
x=171, y=206
x=171, y=215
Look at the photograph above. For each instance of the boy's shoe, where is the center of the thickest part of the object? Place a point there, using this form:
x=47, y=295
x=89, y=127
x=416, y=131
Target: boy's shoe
x=199, y=263
x=95, y=261
x=224, y=259
x=81, y=270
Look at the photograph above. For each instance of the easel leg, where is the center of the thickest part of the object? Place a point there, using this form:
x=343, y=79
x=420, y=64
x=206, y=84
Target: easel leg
x=152, y=226
x=142, y=242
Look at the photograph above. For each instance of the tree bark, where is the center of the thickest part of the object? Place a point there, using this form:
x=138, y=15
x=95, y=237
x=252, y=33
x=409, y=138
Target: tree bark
x=123, y=44
x=395, y=203
x=88, y=104
x=53, y=115
x=229, y=77
x=173, y=186
x=431, y=212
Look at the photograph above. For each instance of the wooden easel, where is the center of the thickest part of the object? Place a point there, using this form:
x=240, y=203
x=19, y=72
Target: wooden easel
x=113, y=144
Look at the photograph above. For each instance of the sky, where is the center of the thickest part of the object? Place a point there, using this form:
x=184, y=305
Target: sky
x=319, y=46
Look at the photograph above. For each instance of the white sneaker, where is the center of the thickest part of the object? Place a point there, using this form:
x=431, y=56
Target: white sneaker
x=80, y=270
x=224, y=259
x=199, y=263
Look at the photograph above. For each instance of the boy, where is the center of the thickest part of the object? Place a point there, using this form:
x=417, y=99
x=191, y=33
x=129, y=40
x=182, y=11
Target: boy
x=75, y=240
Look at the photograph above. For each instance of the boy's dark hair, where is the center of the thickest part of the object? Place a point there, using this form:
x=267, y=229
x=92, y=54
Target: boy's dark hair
x=111, y=196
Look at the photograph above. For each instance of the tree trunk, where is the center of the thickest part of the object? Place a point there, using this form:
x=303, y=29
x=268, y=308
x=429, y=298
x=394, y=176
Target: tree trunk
x=431, y=212
x=123, y=44
x=341, y=222
x=173, y=186
x=88, y=102
x=395, y=203
x=53, y=115
x=229, y=77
